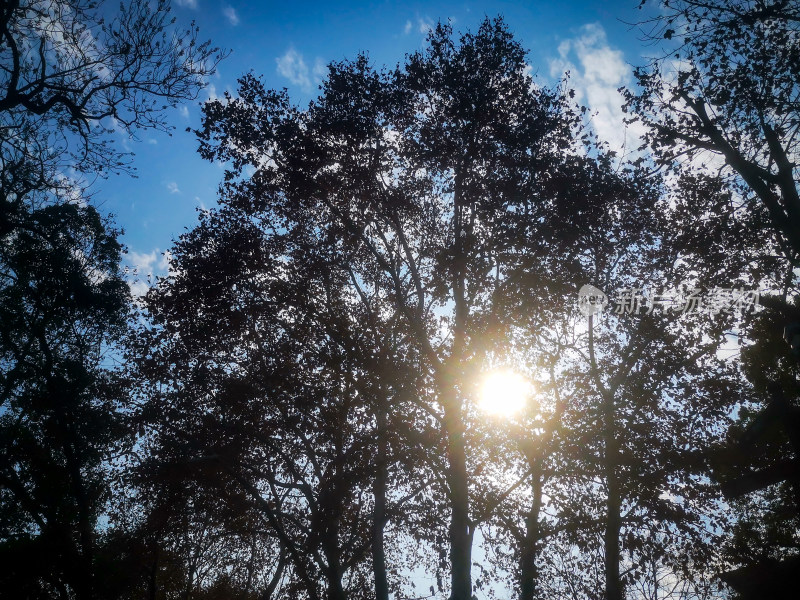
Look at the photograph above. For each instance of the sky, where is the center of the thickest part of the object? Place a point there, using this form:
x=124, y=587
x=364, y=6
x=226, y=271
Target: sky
x=289, y=44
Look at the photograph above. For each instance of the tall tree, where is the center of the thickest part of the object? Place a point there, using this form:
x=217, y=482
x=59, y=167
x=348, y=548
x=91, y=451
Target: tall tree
x=71, y=73
x=63, y=301
x=725, y=87
x=295, y=427
x=414, y=180
x=635, y=394
x=725, y=93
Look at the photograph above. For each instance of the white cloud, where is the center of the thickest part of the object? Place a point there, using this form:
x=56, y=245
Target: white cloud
x=408, y=27
x=184, y=112
x=173, y=188
x=163, y=263
x=596, y=72
x=152, y=141
x=144, y=268
x=212, y=93
x=230, y=14
x=293, y=66
x=70, y=187
x=141, y=272
x=138, y=287
x=424, y=25
x=187, y=3
x=320, y=69
x=143, y=262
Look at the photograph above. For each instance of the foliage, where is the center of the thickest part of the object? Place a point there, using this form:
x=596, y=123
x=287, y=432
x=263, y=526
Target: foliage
x=725, y=94
x=70, y=80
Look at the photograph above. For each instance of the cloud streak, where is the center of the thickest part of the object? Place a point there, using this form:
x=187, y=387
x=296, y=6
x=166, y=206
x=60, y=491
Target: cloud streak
x=230, y=14
x=144, y=268
x=596, y=72
x=293, y=67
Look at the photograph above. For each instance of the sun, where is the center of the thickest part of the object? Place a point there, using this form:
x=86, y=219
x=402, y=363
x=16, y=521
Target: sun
x=504, y=393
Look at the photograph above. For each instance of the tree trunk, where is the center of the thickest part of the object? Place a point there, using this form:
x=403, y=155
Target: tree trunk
x=612, y=529
x=85, y=527
x=460, y=526
x=331, y=504
x=529, y=573
x=82, y=583
x=613, y=522
x=613, y=504
x=457, y=476
x=379, y=518
x=334, y=570
x=152, y=584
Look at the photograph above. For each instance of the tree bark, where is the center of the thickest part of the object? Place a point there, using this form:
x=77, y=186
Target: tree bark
x=613, y=518
x=379, y=518
x=529, y=572
x=457, y=476
x=612, y=526
x=460, y=525
x=335, y=590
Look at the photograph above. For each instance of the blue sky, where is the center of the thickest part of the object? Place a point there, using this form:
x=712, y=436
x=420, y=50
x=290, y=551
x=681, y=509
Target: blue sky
x=289, y=44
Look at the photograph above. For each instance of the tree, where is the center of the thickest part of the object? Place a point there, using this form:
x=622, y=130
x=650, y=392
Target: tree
x=71, y=78
x=292, y=428
x=451, y=187
x=733, y=98
x=414, y=181
x=63, y=301
x=633, y=397
x=68, y=79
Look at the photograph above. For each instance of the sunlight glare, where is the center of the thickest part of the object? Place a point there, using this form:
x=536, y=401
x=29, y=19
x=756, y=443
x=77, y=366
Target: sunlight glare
x=504, y=393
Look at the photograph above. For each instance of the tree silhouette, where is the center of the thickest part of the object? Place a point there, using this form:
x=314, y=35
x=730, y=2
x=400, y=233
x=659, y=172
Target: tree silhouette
x=413, y=181
x=68, y=79
x=71, y=78
x=377, y=251
x=63, y=301
x=731, y=102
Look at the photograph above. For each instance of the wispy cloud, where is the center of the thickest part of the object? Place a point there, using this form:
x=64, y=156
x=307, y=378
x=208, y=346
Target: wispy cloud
x=187, y=3
x=293, y=67
x=320, y=69
x=597, y=71
x=143, y=261
x=420, y=25
x=144, y=268
x=140, y=275
x=211, y=90
x=230, y=14
x=184, y=112
x=173, y=188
